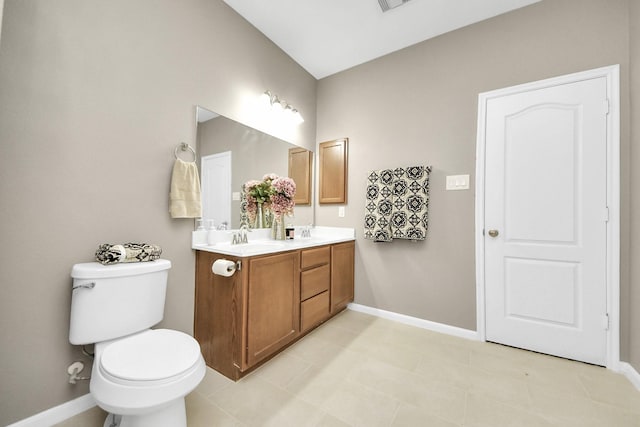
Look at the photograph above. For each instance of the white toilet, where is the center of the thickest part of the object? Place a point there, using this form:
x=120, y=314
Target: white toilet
x=140, y=375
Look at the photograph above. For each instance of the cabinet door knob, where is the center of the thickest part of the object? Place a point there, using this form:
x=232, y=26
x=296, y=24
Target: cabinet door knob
x=493, y=233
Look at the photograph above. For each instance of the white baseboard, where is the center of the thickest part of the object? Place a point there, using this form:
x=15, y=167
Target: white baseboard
x=59, y=413
x=632, y=375
x=414, y=321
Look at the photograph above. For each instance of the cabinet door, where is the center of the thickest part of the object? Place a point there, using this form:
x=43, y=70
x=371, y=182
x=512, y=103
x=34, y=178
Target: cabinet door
x=342, y=275
x=273, y=304
x=333, y=156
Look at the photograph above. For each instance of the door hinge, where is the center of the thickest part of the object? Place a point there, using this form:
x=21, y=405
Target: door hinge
x=605, y=322
x=606, y=106
x=606, y=214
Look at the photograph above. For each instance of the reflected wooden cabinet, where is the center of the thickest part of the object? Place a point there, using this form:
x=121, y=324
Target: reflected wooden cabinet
x=300, y=161
x=243, y=320
x=333, y=161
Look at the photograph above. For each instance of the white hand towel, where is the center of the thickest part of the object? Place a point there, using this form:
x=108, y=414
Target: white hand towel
x=184, y=199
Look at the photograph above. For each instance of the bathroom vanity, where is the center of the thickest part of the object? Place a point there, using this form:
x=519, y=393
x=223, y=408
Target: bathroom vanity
x=279, y=292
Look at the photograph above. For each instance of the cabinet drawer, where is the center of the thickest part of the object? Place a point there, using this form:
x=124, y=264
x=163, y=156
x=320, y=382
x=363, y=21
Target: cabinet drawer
x=315, y=256
x=314, y=281
x=314, y=310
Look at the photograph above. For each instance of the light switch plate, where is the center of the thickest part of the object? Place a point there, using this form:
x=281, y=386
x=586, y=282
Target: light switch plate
x=458, y=182
x=235, y=195
x=341, y=211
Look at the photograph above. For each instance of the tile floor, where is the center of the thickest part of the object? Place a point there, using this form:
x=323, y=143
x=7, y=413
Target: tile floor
x=360, y=370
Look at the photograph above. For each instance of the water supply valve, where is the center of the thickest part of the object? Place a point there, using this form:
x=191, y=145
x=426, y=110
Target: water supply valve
x=73, y=370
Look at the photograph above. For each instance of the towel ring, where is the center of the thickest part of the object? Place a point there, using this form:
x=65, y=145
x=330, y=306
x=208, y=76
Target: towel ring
x=183, y=146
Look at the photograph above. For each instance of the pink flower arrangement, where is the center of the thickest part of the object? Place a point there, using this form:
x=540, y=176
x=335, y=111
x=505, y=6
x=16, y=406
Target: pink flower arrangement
x=282, y=202
x=273, y=192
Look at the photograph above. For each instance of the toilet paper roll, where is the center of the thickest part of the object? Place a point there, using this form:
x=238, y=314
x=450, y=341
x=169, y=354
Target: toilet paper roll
x=223, y=267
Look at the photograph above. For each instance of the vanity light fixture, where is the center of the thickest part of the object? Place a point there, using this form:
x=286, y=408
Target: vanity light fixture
x=281, y=106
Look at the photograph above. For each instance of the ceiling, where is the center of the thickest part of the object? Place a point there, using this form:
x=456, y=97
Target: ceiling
x=328, y=36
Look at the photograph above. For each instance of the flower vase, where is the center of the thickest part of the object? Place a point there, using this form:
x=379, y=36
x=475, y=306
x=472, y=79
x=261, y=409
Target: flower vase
x=259, y=216
x=267, y=218
x=277, y=228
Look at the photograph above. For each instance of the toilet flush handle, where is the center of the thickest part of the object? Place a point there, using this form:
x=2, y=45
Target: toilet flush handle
x=89, y=285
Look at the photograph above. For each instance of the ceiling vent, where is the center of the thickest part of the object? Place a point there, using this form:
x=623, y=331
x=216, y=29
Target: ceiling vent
x=386, y=5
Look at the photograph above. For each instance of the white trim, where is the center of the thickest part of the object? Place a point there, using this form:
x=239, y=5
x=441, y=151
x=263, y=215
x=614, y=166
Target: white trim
x=612, y=75
x=59, y=413
x=414, y=321
x=632, y=375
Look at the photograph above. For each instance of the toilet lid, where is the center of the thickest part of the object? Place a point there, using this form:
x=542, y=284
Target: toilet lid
x=151, y=355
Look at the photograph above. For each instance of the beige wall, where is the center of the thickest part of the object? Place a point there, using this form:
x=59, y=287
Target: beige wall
x=94, y=96
x=632, y=302
x=1, y=9
x=419, y=106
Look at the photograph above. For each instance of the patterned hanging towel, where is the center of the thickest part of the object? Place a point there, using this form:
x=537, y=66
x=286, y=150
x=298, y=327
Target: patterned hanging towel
x=396, y=205
x=129, y=252
x=410, y=202
x=379, y=205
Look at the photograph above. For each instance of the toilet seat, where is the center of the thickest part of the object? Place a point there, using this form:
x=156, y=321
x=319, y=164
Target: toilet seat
x=149, y=358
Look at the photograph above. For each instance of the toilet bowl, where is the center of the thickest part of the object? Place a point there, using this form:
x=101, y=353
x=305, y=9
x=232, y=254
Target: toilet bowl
x=139, y=375
x=144, y=377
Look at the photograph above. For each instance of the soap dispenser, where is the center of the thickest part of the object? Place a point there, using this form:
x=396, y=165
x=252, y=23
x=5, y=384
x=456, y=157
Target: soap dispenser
x=211, y=233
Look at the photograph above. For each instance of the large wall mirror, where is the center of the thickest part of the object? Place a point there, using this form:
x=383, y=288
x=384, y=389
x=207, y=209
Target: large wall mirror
x=231, y=154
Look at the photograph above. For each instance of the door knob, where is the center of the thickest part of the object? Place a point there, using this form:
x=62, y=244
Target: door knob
x=493, y=233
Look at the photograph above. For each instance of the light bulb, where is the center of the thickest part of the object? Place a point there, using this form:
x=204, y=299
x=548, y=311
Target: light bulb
x=277, y=104
x=265, y=98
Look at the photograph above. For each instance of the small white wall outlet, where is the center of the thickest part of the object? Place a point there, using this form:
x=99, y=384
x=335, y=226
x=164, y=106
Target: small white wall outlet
x=458, y=182
x=235, y=196
x=341, y=211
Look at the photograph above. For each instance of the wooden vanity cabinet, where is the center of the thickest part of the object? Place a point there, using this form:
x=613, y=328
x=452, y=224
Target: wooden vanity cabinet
x=243, y=320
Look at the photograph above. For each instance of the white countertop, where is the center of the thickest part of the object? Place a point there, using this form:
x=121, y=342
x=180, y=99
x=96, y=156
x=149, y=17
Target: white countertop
x=260, y=242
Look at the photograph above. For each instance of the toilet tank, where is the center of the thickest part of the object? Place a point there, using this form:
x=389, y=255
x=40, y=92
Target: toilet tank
x=112, y=301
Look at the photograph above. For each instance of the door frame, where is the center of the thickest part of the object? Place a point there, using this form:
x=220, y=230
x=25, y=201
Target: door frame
x=612, y=75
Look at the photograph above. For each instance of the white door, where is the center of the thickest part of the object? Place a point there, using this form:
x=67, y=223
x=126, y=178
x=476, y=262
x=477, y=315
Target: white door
x=545, y=229
x=216, y=187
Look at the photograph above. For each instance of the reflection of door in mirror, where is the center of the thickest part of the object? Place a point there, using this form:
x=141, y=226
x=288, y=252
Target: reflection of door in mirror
x=216, y=183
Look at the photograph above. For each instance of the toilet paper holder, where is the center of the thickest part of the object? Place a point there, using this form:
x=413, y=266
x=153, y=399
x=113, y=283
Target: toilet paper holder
x=237, y=266
x=229, y=270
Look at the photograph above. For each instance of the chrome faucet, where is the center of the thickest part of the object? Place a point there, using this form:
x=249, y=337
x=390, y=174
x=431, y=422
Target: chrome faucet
x=244, y=238
x=240, y=237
